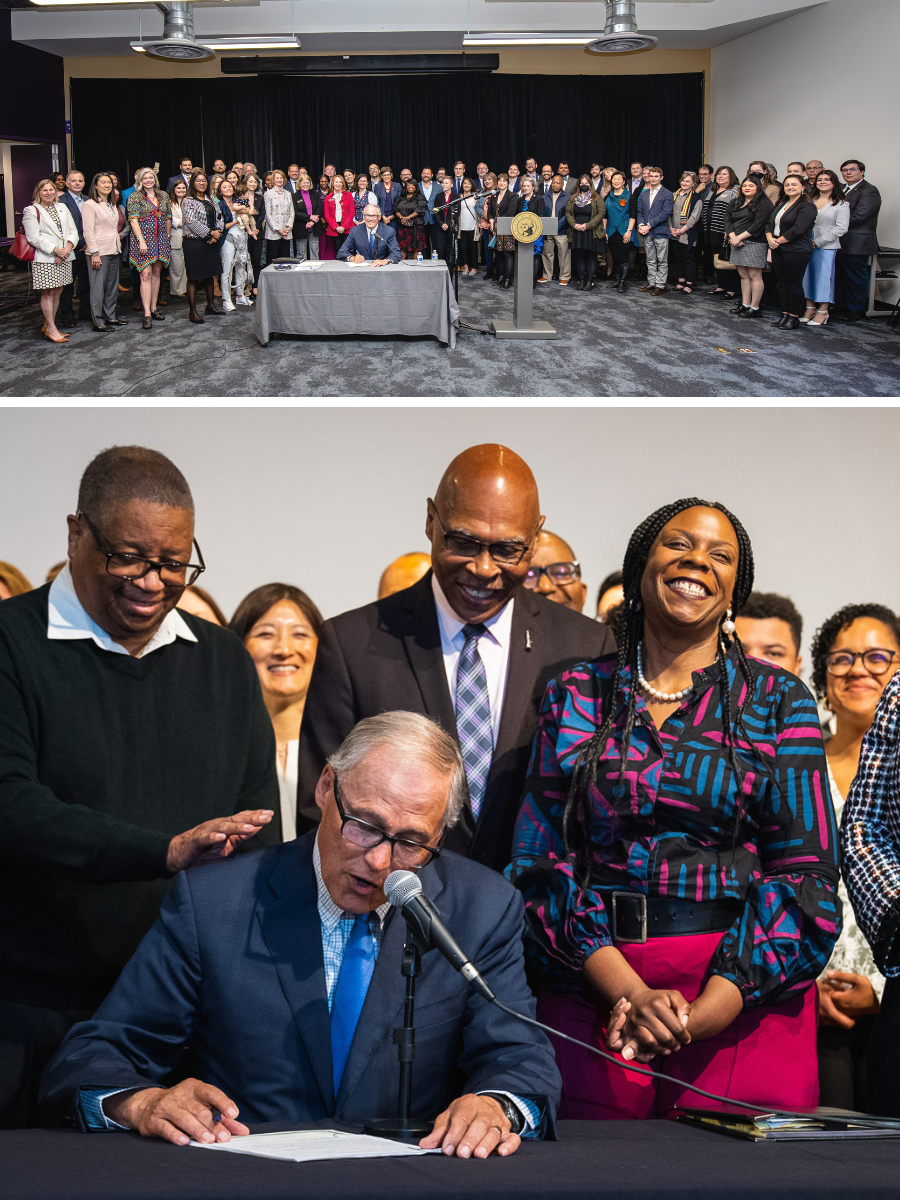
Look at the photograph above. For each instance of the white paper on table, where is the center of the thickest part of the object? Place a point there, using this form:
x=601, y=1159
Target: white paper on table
x=307, y=265
x=315, y=1145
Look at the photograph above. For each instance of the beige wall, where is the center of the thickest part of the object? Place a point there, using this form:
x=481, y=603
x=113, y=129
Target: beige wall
x=532, y=60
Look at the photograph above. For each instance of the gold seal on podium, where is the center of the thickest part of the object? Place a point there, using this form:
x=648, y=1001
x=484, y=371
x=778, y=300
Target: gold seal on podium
x=527, y=227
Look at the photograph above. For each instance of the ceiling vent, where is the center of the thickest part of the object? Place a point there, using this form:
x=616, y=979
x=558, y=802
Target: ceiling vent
x=177, y=43
x=621, y=32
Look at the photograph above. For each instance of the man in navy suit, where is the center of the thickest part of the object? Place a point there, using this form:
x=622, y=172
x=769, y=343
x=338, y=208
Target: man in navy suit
x=73, y=199
x=186, y=166
x=372, y=240
x=654, y=209
x=282, y=972
x=459, y=174
x=429, y=190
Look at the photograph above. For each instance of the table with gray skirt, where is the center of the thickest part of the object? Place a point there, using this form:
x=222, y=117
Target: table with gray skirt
x=336, y=299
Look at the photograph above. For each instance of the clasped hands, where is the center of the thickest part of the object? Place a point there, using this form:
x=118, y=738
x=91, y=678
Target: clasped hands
x=651, y=1022
x=471, y=1127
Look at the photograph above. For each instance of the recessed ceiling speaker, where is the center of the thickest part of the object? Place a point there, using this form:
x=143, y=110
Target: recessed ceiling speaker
x=621, y=32
x=178, y=43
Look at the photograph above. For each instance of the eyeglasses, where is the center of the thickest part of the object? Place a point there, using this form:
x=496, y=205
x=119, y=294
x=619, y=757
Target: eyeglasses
x=876, y=661
x=559, y=573
x=404, y=853
x=462, y=546
x=134, y=566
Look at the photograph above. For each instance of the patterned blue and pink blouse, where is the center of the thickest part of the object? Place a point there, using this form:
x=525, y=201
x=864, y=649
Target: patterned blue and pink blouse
x=665, y=826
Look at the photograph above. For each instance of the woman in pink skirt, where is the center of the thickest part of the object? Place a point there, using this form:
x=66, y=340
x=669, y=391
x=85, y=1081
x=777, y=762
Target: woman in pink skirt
x=676, y=844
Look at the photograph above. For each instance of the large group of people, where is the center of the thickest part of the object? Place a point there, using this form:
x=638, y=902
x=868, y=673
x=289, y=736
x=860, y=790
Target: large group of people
x=664, y=843
x=807, y=239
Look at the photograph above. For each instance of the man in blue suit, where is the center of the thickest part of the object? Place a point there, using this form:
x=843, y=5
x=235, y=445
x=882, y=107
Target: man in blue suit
x=429, y=190
x=372, y=240
x=654, y=210
x=282, y=971
x=186, y=166
x=73, y=198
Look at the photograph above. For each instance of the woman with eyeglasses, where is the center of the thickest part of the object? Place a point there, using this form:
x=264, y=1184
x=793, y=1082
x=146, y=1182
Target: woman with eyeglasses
x=280, y=627
x=855, y=655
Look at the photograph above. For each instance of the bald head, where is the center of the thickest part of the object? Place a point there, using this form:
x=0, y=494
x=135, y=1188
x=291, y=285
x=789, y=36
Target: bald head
x=403, y=572
x=483, y=524
x=560, y=580
x=498, y=474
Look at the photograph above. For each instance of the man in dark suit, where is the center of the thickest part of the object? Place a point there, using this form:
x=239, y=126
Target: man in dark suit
x=569, y=181
x=283, y=973
x=186, y=167
x=459, y=174
x=429, y=190
x=292, y=183
x=467, y=645
x=654, y=208
x=372, y=241
x=542, y=186
x=73, y=199
x=860, y=241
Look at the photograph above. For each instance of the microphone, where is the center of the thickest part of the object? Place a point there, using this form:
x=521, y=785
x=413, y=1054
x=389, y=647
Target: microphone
x=404, y=891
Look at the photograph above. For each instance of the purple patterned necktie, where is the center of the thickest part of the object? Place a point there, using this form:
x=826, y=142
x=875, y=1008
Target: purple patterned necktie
x=473, y=716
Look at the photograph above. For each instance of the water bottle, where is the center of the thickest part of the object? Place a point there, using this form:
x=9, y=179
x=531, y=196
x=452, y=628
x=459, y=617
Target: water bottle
x=434, y=256
x=418, y=256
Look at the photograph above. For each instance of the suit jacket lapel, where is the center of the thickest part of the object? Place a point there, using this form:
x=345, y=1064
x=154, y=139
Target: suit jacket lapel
x=289, y=919
x=382, y=1010
x=422, y=639
x=520, y=674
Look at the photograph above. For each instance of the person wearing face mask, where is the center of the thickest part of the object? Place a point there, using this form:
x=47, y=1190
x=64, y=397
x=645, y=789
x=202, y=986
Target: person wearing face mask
x=584, y=214
x=280, y=626
x=619, y=228
x=657, y=897
x=855, y=655
x=789, y=234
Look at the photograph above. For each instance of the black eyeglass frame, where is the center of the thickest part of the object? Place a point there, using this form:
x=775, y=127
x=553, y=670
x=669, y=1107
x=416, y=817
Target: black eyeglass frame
x=433, y=851
x=533, y=577
x=490, y=547
x=860, y=654
x=150, y=564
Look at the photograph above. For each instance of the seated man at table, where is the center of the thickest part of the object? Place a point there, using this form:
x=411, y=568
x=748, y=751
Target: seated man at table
x=282, y=971
x=372, y=242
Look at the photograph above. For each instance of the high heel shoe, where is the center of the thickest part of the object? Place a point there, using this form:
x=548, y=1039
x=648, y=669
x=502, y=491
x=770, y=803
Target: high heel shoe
x=56, y=340
x=811, y=309
x=507, y=284
x=212, y=312
x=196, y=319
x=813, y=324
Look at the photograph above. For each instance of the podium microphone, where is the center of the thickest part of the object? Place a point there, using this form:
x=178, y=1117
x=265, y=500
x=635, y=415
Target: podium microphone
x=404, y=891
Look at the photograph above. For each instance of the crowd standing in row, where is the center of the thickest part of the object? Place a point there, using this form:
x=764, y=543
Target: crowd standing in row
x=814, y=232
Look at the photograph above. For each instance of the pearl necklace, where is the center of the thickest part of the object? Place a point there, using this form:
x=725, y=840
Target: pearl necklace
x=666, y=697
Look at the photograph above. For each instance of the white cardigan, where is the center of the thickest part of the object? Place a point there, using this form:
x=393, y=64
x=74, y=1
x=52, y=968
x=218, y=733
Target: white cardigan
x=42, y=233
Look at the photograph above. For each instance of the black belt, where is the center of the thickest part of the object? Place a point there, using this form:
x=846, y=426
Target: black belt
x=634, y=917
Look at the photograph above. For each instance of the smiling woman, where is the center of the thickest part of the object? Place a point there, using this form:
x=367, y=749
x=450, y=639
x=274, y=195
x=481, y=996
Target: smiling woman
x=682, y=894
x=280, y=626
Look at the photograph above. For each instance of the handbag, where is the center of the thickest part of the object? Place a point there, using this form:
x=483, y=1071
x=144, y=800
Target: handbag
x=725, y=250
x=21, y=248
x=492, y=243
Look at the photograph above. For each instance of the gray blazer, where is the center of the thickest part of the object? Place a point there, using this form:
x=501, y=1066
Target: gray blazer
x=832, y=223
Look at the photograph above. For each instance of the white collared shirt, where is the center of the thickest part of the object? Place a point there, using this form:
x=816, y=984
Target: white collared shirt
x=67, y=620
x=654, y=192
x=849, y=187
x=492, y=646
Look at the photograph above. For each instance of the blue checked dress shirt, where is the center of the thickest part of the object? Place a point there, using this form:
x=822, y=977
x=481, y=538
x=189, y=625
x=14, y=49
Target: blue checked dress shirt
x=473, y=716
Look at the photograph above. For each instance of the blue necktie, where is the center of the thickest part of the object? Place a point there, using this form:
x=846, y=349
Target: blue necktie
x=473, y=716
x=372, y=244
x=349, y=996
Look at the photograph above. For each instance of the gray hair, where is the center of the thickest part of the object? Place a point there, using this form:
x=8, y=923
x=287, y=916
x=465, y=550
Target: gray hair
x=411, y=736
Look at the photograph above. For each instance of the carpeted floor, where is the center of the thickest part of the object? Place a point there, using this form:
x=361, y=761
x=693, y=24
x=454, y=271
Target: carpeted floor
x=608, y=345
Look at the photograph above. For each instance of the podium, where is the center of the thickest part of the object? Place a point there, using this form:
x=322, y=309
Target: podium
x=523, y=324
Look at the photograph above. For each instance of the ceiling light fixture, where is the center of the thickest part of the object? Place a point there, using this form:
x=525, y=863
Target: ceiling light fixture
x=526, y=39
x=621, y=33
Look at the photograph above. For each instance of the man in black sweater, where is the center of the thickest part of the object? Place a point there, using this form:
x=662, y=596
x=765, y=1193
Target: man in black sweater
x=468, y=645
x=126, y=730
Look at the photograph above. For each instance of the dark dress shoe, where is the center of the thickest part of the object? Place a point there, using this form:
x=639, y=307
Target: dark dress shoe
x=196, y=319
x=751, y=312
x=499, y=280
x=589, y=286
x=581, y=284
x=69, y=322
x=657, y=291
x=720, y=292
x=488, y=275
x=737, y=311
x=117, y=322
x=790, y=323
x=507, y=284
x=212, y=312
x=147, y=322
x=157, y=315
x=648, y=287
x=852, y=317
x=102, y=329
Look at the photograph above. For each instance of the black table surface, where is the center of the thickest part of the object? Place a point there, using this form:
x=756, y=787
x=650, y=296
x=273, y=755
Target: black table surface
x=623, y=1160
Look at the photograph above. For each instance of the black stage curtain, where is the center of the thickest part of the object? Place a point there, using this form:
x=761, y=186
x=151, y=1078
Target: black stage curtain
x=403, y=121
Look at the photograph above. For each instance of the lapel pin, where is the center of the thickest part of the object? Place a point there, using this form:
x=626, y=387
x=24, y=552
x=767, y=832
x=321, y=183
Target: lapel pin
x=527, y=639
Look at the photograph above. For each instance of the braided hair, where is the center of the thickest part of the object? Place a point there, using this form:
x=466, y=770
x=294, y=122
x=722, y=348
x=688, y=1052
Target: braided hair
x=630, y=634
